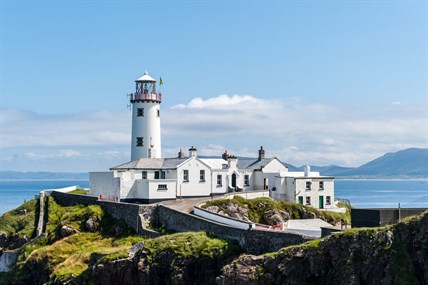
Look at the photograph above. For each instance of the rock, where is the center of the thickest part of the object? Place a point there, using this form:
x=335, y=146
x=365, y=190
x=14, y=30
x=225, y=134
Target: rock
x=213, y=209
x=285, y=215
x=273, y=217
x=92, y=224
x=22, y=212
x=66, y=231
x=4, y=240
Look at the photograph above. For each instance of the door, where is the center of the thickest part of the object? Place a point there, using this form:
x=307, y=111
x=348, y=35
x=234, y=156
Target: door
x=234, y=181
x=321, y=204
x=301, y=200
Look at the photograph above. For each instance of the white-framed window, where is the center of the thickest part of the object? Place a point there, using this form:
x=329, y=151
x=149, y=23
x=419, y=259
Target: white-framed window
x=186, y=175
x=308, y=185
x=321, y=185
x=308, y=200
x=246, y=180
x=140, y=112
x=140, y=141
x=144, y=174
x=201, y=175
x=162, y=187
x=328, y=200
x=219, y=180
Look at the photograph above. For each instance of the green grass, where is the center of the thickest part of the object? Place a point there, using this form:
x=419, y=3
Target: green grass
x=193, y=244
x=79, y=192
x=22, y=224
x=258, y=206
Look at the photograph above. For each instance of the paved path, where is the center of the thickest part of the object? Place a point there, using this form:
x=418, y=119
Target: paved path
x=186, y=204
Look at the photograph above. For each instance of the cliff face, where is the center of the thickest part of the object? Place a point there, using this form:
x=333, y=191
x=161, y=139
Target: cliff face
x=392, y=255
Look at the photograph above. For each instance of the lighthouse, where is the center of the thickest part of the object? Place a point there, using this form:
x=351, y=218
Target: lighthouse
x=146, y=132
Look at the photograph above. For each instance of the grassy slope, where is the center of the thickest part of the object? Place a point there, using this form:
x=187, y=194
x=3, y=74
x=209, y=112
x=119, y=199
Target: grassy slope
x=24, y=225
x=257, y=207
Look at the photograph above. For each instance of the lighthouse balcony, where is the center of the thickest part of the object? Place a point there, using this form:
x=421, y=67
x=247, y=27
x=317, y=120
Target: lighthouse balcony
x=155, y=97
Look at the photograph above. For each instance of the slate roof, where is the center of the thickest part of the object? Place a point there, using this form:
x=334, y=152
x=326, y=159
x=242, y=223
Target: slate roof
x=254, y=163
x=151, y=163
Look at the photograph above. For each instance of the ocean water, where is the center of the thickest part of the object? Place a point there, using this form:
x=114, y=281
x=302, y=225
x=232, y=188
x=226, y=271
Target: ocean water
x=362, y=193
x=14, y=192
x=383, y=193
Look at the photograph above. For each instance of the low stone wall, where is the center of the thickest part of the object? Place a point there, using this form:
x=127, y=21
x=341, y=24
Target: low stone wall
x=253, y=241
x=381, y=217
x=135, y=216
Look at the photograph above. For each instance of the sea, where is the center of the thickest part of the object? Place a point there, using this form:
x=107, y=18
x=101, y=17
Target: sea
x=362, y=193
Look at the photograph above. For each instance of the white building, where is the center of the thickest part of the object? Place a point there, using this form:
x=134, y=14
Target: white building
x=148, y=178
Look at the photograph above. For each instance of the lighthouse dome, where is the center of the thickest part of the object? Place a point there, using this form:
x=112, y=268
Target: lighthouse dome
x=145, y=78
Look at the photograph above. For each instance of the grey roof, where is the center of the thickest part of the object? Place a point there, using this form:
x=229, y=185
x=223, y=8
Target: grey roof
x=151, y=163
x=254, y=163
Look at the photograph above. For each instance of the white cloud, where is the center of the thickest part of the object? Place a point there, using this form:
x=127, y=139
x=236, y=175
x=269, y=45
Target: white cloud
x=295, y=131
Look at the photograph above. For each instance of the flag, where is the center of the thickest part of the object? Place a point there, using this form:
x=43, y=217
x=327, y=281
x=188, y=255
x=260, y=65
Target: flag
x=160, y=81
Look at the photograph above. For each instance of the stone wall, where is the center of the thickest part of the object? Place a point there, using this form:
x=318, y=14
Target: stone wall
x=135, y=216
x=253, y=241
x=381, y=217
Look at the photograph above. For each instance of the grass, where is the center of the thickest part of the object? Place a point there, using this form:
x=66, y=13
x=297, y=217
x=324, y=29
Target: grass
x=13, y=222
x=194, y=244
x=79, y=192
x=258, y=206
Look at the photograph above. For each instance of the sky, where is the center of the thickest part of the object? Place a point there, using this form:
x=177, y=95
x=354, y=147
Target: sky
x=314, y=82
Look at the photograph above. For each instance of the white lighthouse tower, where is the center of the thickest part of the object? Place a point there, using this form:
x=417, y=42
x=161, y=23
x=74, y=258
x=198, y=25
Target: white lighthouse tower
x=146, y=132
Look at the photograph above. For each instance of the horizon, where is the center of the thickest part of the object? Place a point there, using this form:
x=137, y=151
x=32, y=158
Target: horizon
x=319, y=83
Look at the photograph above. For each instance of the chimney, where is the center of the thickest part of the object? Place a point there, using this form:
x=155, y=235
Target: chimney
x=231, y=161
x=225, y=155
x=181, y=153
x=261, y=153
x=192, y=151
x=307, y=171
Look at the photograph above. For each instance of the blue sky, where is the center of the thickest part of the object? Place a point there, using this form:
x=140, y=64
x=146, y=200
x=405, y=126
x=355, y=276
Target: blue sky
x=319, y=82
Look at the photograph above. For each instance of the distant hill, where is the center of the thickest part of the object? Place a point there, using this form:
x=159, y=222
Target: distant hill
x=43, y=175
x=408, y=163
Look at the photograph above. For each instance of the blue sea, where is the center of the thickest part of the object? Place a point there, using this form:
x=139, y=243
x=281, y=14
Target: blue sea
x=362, y=193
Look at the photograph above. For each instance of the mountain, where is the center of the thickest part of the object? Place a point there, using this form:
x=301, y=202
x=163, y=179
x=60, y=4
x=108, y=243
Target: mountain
x=408, y=163
x=43, y=175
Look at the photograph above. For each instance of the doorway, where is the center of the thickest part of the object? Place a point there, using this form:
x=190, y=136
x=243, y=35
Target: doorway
x=234, y=181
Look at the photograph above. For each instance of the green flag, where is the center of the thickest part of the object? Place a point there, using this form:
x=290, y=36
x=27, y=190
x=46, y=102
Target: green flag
x=160, y=81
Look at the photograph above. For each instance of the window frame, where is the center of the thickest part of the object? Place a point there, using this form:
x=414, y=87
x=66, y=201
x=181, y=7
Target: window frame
x=140, y=141
x=219, y=178
x=185, y=175
x=328, y=200
x=144, y=174
x=321, y=185
x=307, y=200
x=202, y=175
x=310, y=186
x=246, y=180
x=140, y=112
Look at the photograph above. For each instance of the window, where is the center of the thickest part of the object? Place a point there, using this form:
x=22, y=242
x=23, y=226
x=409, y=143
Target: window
x=144, y=175
x=308, y=185
x=308, y=200
x=159, y=174
x=202, y=176
x=140, y=141
x=158, y=112
x=327, y=200
x=140, y=112
x=219, y=180
x=321, y=185
x=246, y=180
x=162, y=187
x=186, y=175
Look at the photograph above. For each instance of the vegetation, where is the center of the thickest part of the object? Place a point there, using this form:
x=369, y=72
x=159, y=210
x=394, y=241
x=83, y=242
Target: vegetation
x=21, y=221
x=79, y=192
x=194, y=244
x=258, y=206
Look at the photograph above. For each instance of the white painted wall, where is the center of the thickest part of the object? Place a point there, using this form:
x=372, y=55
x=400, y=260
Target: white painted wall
x=194, y=186
x=223, y=219
x=315, y=192
x=103, y=183
x=147, y=126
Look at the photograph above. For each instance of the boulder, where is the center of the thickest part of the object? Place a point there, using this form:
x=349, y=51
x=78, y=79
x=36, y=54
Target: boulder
x=273, y=217
x=92, y=224
x=66, y=231
x=4, y=240
x=213, y=209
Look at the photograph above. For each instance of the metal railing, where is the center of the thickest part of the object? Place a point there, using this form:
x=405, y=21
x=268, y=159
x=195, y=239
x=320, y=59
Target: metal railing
x=145, y=97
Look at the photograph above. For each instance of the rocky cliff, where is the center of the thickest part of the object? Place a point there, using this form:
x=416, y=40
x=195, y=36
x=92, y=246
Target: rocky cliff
x=395, y=254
